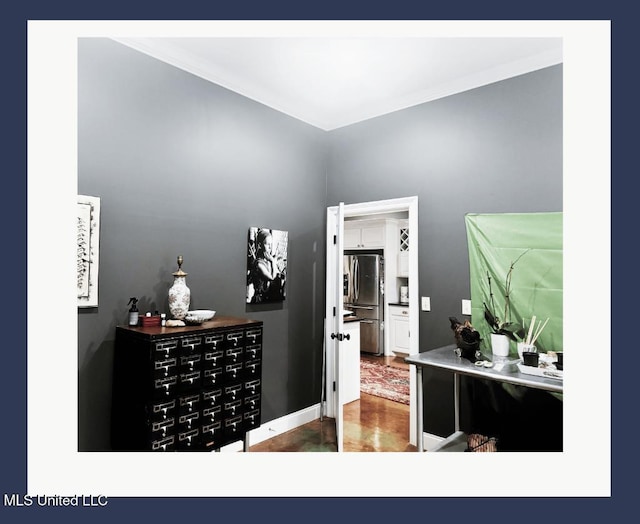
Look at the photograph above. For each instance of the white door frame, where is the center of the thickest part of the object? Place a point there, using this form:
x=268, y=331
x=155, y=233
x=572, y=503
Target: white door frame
x=410, y=205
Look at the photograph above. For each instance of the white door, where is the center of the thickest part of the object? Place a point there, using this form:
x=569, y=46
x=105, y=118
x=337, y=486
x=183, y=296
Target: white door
x=334, y=309
x=334, y=331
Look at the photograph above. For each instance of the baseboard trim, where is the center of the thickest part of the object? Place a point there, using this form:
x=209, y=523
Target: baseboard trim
x=276, y=427
x=430, y=441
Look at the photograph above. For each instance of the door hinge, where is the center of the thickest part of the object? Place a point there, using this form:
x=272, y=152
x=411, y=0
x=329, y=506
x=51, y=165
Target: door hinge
x=334, y=385
x=334, y=311
x=335, y=240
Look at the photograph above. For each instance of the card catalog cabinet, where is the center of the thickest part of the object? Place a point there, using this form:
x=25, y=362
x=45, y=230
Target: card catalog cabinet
x=193, y=388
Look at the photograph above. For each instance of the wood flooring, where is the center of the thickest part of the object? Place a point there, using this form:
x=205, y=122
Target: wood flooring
x=371, y=424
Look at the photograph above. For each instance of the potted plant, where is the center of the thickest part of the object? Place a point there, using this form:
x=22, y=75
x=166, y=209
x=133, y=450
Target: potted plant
x=502, y=328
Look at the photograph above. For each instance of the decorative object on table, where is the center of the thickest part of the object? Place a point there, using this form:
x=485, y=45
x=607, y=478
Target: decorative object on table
x=500, y=344
x=179, y=293
x=534, y=331
x=150, y=321
x=133, y=311
x=523, y=346
x=467, y=339
x=88, y=246
x=175, y=323
x=528, y=342
x=530, y=358
x=502, y=330
x=199, y=316
x=266, y=265
x=546, y=367
x=478, y=443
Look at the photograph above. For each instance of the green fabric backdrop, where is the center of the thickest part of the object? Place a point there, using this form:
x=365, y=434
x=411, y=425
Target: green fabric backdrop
x=497, y=240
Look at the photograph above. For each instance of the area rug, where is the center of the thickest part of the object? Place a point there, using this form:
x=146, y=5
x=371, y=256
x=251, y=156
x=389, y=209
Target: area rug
x=384, y=381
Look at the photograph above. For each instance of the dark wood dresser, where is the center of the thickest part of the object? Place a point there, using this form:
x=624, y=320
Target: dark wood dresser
x=193, y=388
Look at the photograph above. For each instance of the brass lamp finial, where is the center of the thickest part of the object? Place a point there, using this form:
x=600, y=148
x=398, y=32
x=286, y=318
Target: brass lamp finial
x=180, y=273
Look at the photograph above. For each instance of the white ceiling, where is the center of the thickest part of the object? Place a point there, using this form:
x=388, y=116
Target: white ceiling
x=331, y=82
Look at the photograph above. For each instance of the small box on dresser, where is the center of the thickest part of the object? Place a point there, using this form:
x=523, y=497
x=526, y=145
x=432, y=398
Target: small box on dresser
x=192, y=388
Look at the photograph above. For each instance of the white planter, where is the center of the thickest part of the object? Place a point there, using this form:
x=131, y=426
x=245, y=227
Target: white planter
x=500, y=345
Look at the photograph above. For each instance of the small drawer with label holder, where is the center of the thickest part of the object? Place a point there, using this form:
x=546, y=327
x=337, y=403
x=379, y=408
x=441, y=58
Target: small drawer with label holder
x=233, y=372
x=158, y=411
x=233, y=408
x=189, y=440
x=211, y=397
x=189, y=403
x=253, y=351
x=164, y=367
x=163, y=349
x=165, y=444
x=234, y=339
x=165, y=387
x=188, y=421
x=253, y=336
x=211, y=414
x=213, y=342
x=190, y=362
x=251, y=419
x=212, y=377
x=190, y=345
x=213, y=359
x=191, y=380
x=252, y=401
x=251, y=387
x=252, y=369
x=233, y=426
x=162, y=429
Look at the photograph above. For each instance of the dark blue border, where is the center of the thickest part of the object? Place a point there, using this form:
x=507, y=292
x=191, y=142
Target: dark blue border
x=13, y=383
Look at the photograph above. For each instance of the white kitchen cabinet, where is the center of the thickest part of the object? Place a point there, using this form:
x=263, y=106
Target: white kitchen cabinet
x=351, y=237
x=399, y=329
x=350, y=354
x=403, y=264
x=364, y=234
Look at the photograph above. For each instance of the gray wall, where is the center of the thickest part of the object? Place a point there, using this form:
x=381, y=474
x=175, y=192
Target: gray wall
x=494, y=149
x=184, y=167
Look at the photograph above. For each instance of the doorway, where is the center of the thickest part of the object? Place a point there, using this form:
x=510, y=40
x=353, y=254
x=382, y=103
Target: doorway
x=407, y=208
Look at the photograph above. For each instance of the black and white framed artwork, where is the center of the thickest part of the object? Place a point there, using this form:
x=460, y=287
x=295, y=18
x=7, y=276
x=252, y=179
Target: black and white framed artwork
x=88, y=244
x=266, y=265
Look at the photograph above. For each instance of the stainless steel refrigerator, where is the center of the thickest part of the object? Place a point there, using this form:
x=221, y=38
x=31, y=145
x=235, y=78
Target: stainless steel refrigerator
x=364, y=296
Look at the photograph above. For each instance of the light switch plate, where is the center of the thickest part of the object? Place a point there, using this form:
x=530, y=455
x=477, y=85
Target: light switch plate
x=466, y=307
x=426, y=303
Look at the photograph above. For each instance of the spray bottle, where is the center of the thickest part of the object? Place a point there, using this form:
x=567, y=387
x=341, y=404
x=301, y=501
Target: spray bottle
x=133, y=312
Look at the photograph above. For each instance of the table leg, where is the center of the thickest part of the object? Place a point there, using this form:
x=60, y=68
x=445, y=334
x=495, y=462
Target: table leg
x=456, y=400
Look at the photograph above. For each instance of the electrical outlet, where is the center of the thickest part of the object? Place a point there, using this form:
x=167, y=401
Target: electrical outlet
x=426, y=304
x=466, y=307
